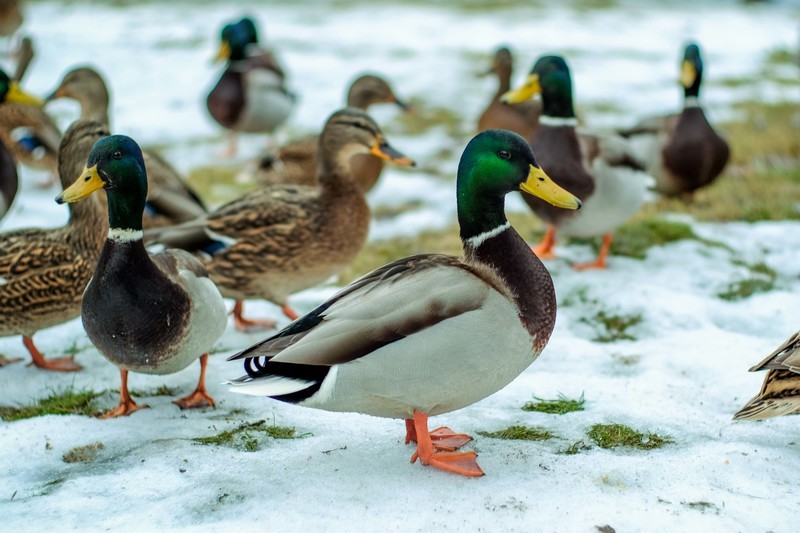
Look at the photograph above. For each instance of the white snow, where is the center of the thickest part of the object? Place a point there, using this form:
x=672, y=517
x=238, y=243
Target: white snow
x=683, y=376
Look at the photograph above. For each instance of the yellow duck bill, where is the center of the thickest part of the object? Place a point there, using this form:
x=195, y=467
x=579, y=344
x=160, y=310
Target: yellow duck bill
x=688, y=74
x=524, y=93
x=88, y=182
x=18, y=96
x=541, y=186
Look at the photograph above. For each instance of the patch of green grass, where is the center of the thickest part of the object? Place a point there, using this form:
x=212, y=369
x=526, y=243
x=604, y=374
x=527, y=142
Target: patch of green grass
x=217, y=184
x=248, y=437
x=68, y=402
x=701, y=506
x=763, y=132
x=575, y=448
x=761, y=279
x=162, y=390
x=518, y=433
x=781, y=56
x=559, y=406
x=83, y=454
x=614, y=435
x=613, y=327
x=635, y=238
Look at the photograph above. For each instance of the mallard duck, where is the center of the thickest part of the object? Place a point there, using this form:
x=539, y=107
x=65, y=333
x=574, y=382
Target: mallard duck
x=683, y=152
x=780, y=393
x=43, y=272
x=27, y=131
x=296, y=162
x=278, y=240
x=170, y=200
x=599, y=169
x=251, y=95
x=9, y=181
x=151, y=314
x=428, y=334
x=523, y=117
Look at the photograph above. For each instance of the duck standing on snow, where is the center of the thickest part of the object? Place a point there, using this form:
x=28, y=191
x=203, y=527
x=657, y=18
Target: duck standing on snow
x=43, y=272
x=296, y=162
x=523, y=117
x=780, y=393
x=251, y=95
x=599, y=169
x=150, y=314
x=170, y=200
x=683, y=152
x=279, y=240
x=428, y=334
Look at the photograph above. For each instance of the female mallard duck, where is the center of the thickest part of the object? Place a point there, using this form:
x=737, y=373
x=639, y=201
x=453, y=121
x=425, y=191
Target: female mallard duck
x=251, y=95
x=150, y=314
x=296, y=162
x=278, y=240
x=27, y=131
x=780, y=393
x=428, y=334
x=43, y=273
x=522, y=118
x=170, y=200
x=683, y=152
x=599, y=169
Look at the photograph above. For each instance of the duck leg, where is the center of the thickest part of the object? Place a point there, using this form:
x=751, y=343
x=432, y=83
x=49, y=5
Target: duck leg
x=457, y=462
x=600, y=262
x=443, y=438
x=544, y=250
x=5, y=361
x=126, y=404
x=290, y=313
x=60, y=364
x=246, y=324
x=231, y=149
x=198, y=398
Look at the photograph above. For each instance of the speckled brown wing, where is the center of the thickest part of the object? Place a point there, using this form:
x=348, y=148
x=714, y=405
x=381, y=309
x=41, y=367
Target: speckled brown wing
x=43, y=279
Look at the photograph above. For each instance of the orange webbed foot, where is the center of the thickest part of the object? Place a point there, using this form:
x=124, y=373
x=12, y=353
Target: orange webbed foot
x=446, y=440
x=463, y=463
x=249, y=324
x=59, y=364
x=195, y=400
x=439, y=454
x=544, y=250
x=597, y=264
x=123, y=409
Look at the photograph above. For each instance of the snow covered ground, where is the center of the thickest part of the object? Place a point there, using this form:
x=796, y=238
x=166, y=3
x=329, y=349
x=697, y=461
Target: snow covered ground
x=683, y=375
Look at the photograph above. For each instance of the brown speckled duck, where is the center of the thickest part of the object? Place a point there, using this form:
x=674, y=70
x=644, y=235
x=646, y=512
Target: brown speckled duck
x=150, y=314
x=780, y=393
x=251, y=95
x=428, y=334
x=296, y=162
x=522, y=117
x=683, y=152
x=43, y=272
x=170, y=200
x=600, y=169
x=278, y=240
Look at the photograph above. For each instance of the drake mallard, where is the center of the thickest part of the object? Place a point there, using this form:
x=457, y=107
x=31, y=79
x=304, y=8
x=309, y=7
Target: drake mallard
x=279, y=240
x=412, y=338
x=523, y=117
x=296, y=162
x=683, y=152
x=43, y=272
x=28, y=132
x=780, y=393
x=170, y=200
x=150, y=314
x=600, y=169
x=251, y=95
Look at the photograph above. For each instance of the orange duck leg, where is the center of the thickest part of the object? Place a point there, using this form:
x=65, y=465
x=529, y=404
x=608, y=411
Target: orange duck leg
x=200, y=397
x=248, y=324
x=456, y=462
x=600, y=262
x=59, y=364
x=544, y=250
x=126, y=404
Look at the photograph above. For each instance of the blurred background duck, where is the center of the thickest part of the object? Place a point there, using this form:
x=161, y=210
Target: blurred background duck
x=279, y=240
x=296, y=162
x=522, y=117
x=44, y=272
x=683, y=152
x=149, y=314
x=9, y=179
x=170, y=200
x=10, y=17
x=28, y=132
x=780, y=393
x=600, y=169
x=251, y=95
x=410, y=339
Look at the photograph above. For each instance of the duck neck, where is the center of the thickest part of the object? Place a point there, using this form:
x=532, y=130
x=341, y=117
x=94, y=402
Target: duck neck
x=527, y=281
x=95, y=109
x=125, y=212
x=504, y=80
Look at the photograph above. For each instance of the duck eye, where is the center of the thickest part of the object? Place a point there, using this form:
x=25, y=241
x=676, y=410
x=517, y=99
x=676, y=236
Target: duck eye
x=117, y=155
x=504, y=154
